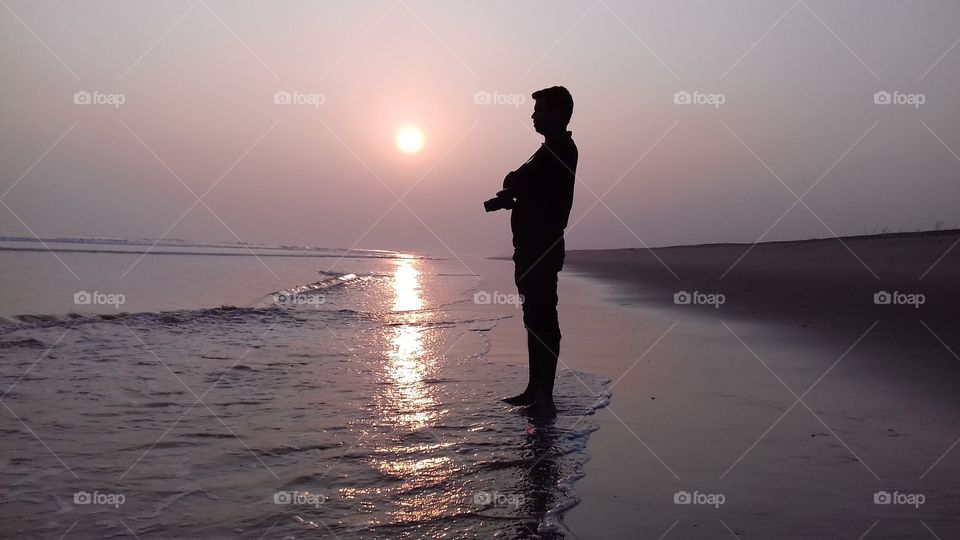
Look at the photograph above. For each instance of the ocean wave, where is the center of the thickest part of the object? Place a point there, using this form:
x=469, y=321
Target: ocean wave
x=271, y=304
x=160, y=318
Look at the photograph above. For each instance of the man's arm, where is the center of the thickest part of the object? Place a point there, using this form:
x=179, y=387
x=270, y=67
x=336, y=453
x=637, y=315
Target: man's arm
x=518, y=182
x=549, y=184
x=564, y=166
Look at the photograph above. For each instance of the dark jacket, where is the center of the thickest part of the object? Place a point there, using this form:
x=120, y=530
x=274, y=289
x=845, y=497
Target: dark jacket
x=543, y=189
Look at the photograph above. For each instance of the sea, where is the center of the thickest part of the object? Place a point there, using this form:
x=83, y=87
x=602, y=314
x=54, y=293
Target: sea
x=177, y=389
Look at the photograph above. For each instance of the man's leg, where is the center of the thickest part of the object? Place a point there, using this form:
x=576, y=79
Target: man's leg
x=544, y=323
x=528, y=396
x=520, y=276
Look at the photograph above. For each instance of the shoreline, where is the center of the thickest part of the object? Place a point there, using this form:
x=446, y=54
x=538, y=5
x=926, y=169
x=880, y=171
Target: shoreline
x=705, y=398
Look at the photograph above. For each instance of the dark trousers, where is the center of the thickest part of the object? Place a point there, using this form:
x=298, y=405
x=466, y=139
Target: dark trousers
x=539, y=292
x=536, y=277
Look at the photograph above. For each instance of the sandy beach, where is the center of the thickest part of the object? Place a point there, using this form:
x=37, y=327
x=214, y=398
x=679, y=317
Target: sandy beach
x=797, y=405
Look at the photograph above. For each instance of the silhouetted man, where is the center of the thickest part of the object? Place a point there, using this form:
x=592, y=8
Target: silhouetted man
x=540, y=195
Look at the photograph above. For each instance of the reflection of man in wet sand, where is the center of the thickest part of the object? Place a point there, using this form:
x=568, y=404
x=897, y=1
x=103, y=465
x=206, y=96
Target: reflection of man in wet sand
x=539, y=484
x=540, y=195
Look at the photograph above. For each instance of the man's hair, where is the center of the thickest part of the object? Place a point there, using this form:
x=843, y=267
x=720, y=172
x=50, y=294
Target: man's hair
x=557, y=98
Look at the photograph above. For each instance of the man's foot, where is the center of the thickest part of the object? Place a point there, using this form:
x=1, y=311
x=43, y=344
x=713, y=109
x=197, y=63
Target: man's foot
x=542, y=409
x=526, y=398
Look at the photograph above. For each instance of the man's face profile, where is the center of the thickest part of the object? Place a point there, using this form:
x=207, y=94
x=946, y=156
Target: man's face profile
x=545, y=119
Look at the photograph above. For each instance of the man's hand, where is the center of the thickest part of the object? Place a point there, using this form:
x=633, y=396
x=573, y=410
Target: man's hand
x=507, y=197
x=503, y=201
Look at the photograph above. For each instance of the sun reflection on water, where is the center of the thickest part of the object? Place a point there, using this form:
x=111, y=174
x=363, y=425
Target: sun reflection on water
x=409, y=402
x=406, y=285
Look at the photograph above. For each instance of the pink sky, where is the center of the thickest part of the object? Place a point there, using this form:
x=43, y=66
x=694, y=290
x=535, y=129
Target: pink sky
x=798, y=81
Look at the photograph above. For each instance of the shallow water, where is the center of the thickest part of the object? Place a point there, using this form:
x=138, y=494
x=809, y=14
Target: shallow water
x=362, y=407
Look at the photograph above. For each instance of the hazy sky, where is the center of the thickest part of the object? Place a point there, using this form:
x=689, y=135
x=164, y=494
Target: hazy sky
x=797, y=81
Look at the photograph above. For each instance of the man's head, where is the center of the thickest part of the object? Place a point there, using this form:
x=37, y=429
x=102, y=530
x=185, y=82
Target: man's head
x=552, y=110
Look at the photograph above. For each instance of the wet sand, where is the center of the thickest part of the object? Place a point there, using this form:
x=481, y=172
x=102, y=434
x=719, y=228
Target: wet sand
x=789, y=411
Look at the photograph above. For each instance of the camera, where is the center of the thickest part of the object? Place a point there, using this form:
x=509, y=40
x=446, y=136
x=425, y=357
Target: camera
x=502, y=201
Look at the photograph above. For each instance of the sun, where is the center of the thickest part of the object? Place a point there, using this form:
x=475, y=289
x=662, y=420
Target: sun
x=410, y=139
